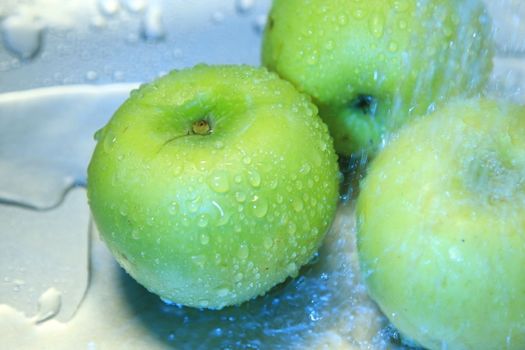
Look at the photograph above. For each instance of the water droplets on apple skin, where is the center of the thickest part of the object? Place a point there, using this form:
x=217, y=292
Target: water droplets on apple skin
x=219, y=181
x=258, y=206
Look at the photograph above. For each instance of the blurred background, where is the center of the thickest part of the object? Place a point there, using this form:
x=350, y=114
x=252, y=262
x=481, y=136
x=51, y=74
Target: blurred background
x=56, y=42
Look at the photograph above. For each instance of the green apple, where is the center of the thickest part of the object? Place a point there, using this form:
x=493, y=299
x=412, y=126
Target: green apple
x=441, y=227
x=371, y=65
x=213, y=184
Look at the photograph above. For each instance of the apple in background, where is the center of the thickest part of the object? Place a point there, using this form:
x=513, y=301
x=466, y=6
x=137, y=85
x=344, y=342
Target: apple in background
x=441, y=227
x=371, y=65
x=213, y=184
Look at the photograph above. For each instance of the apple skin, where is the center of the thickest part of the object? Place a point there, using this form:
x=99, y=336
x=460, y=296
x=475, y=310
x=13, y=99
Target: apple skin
x=214, y=218
x=441, y=227
x=371, y=65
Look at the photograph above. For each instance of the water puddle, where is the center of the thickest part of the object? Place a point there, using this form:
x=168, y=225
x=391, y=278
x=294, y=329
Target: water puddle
x=44, y=258
x=46, y=140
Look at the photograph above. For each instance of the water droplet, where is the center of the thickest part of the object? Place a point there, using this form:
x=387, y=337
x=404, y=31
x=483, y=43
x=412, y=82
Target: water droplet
x=219, y=181
x=223, y=216
x=291, y=268
x=219, y=145
x=98, y=22
x=91, y=75
x=244, y=6
x=204, y=239
x=298, y=205
x=109, y=141
x=401, y=5
x=244, y=251
x=217, y=17
x=246, y=160
x=135, y=234
x=259, y=23
x=132, y=38
x=238, y=277
x=240, y=196
x=358, y=13
x=173, y=208
x=98, y=134
x=392, y=47
x=222, y=292
x=178, y=54
x=292, y=228
x=150, y=220
x=273, y=184
x=376, y=25
x=22, y=36
x=118, y=75
x=314, y=315
x=152, y=27
x=108, y=7
x=204, y=303
x=258, y=206
x=268, y=242
x=123, y=210
x=202, y=221
x=448, y=31
x=254, y=178
x=217, y=332
x=135, y=5
x=177, y=170
x=237, y=179
x=194, y=204
x=199, y=260
x=49, y=305
x=313, y=58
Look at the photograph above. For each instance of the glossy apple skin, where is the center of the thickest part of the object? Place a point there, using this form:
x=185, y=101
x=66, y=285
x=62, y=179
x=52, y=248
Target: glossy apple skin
x=441, y=228
x=407, y=57
x=210, y=220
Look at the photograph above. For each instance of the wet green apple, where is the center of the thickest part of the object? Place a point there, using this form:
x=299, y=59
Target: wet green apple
x=211, y=185
x=441, y=228
x=371, y=65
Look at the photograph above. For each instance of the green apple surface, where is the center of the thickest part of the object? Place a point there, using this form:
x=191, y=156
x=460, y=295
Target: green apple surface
x=371, y=65
x=211, y=185
x=441, y=228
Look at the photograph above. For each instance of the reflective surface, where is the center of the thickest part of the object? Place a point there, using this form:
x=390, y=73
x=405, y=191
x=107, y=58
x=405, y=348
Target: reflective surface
x=59, y=286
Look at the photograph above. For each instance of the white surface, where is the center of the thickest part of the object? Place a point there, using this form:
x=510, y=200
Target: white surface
x=46, y=140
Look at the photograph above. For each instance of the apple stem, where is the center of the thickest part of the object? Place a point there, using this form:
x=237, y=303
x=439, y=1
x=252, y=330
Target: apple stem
x=201, y=127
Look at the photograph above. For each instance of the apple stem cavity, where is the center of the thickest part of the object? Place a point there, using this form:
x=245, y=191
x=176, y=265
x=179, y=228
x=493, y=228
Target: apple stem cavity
x=366, y=103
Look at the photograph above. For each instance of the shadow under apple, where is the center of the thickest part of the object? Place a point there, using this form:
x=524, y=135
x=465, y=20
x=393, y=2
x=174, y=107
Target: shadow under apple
x=326, y=305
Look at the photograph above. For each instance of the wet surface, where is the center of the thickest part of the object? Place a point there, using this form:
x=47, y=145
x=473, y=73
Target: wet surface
x=59, y=286
x=44, y=258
